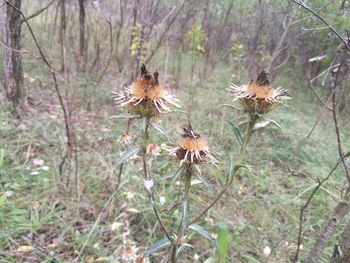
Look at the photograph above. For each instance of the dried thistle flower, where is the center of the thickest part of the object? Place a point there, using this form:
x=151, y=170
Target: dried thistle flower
x=124, y=139
x=146, y=97
x=139, y=259
x=258, y=96
x=153, y=149
x=129, y=253
x=129, y=250
x=192, y=148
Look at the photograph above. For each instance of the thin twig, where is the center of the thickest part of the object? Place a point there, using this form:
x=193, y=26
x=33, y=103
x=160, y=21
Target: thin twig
x=241, y=157
x=165, y=31
x=38, y=12
x=53, y=75
x=325, y=22
x=301, y=216
x=23, y=51
x=318, y=97
x=150, y=195
x=107, y=64
x=339, y=143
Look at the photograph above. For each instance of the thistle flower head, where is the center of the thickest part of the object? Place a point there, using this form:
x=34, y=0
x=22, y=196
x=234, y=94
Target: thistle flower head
x=129, y=253
x=258, y=96
x=146, y=97
x=192, y=148
x=153, y=149
x=123, y=139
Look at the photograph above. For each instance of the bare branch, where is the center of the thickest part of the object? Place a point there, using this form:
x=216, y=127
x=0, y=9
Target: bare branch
x=301, y=216
x=38, y=12
x=70, y=141
x=165, y=31
x=325, y=22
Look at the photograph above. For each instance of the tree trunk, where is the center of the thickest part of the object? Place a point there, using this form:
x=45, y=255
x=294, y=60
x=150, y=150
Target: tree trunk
x=62, y=34
x=13, y=72
x=82, y=33
x=328, y=230
x=342, y=251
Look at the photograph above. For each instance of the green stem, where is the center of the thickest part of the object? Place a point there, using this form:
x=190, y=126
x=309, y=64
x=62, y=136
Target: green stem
x=147, y=177
x=184, y=221
x=246, y=140
x=144, y=149
x=241, y=157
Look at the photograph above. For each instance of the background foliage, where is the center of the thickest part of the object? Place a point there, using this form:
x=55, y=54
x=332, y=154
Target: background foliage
x=198, y=47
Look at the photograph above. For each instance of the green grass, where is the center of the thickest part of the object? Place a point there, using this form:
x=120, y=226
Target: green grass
x=261, y=208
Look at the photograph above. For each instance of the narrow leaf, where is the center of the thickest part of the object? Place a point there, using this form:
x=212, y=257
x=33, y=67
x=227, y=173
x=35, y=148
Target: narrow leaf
x=261, y=125
x=144, y=124
x=242, y=122
x=229, y=169
x=172, y=175
x=157, y=246
x=222, y=242
x=184, y=220
x=274, y=123
x=265, y=123
x=203, y=180
x=200, y=230
x=127, y=155
x=161, y=130
x=182, y=249
x=123, y=116
x=239, y=166
x=231, y=106
x=237, y=132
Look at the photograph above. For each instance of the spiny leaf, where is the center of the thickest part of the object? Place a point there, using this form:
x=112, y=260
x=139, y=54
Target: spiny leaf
x=230, y=169
x=172, y=175
x=127, y=155
x=200, y=230
x=158, y=245
x=161, y=130
x=144, y=124
x=274, y=123
x=242, y=122
x=237, y=132
x=231, y=106
x=222, y=242
x=203, y=180
x=123, y=116
x=182, y=249
x=184, y=220
x=265, y=123
x=261, y=125
x=239, y=166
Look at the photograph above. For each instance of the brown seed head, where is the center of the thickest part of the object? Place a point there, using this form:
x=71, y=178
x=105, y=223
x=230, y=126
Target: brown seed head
x=192, y=148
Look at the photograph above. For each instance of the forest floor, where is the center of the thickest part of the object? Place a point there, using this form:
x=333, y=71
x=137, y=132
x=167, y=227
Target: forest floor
x=43, y=217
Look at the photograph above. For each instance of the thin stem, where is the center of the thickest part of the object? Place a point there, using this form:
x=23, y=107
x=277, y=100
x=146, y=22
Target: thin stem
x=183, y=225
x=147, y=177
x=250, y=130
x=173, y=253
x=144, y=150
x=302, y=211
x=325, y=22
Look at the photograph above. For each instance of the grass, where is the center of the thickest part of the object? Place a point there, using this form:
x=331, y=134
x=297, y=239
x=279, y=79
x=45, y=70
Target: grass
x=261, y=209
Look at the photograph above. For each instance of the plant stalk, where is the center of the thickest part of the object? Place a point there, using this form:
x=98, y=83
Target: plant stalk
x=240, y=161
x=183, y=225
x=147, y=178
